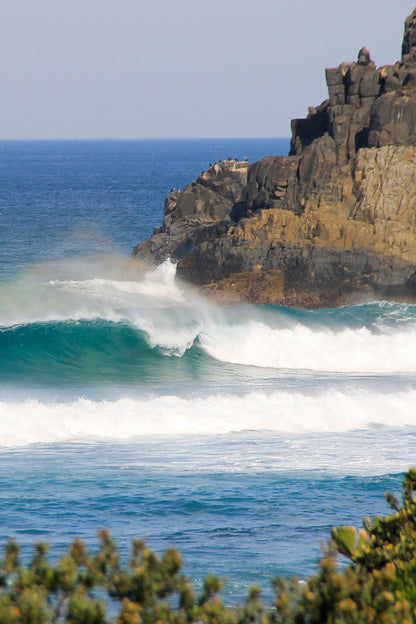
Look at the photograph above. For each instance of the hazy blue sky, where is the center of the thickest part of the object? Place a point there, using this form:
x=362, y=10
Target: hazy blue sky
x=179, y=68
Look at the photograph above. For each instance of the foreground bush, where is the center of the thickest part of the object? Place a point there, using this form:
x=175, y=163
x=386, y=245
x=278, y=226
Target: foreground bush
x=378, y=587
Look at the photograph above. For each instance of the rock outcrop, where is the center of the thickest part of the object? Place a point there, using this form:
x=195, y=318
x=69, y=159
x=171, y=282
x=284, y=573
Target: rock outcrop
x=333, y=222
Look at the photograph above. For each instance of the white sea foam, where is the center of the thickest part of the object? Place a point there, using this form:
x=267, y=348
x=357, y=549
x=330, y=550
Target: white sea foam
x=313, y=348
x=173, y=317
x=170, y=315
x=113, y=296
x=33, y=421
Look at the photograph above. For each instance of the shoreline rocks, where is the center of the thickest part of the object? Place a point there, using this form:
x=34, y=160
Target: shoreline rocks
x=333, y=222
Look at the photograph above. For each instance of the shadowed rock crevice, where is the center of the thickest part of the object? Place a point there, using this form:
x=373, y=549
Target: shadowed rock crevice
x=332, y=222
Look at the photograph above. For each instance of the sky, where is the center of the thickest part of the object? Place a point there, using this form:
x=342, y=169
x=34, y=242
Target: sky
x=133, y=69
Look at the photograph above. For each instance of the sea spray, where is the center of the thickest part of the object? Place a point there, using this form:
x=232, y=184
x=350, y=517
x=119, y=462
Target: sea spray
x=174, y=319
x=90, y=351
x=313, y=348
x=34, y=421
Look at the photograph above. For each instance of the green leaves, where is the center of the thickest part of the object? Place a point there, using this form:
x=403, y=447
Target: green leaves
x=84, y=610
x=349, y=541
x=378, y=586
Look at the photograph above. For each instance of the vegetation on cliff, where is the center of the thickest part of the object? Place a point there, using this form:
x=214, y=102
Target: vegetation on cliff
x=378, y=586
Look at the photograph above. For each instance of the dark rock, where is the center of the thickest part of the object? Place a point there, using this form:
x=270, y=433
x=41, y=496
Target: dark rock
x=203, y=209
x=353, y=78
x=370, y=84
x=393, y=120
x=271, y=183
x=410, y=80
x=392, y=83
x=389, y=78
x=315, y=169
x=336, y=95
x=332, y=222
x=304, y=131
x=364, y=57
x=409, y=38
x=354, y=100
x=334, y=76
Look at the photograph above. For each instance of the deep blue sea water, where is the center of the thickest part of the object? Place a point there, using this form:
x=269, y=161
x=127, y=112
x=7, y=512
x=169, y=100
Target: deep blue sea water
x=238, y=434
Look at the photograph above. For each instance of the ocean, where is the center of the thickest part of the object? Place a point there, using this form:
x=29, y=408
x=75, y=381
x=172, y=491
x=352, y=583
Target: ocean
x=128, y=401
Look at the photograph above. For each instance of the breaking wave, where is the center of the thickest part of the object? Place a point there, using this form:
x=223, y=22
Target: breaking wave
x=117, y=326
x=34, y=421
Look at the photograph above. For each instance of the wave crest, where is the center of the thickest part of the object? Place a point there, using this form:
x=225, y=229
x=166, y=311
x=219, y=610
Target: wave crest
x=376, y=338
x=33, y=421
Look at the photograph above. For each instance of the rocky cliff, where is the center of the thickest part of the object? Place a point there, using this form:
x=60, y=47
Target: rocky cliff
x=333, y=222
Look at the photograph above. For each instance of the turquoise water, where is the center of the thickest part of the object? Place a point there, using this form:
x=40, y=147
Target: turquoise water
x=128, y=401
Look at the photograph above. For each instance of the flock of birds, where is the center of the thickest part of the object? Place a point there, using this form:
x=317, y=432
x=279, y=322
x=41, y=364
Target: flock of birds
x=211, y=165
x=228, y=159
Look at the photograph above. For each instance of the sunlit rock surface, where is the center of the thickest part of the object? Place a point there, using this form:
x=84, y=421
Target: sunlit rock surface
x=333, y=222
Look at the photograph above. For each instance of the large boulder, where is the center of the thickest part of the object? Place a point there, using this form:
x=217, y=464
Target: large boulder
x=333, y=222
x=203, y=209
x=393, y=119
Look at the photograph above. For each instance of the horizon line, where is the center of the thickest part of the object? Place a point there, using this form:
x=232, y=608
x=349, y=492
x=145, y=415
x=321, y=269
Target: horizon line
x=108, y=139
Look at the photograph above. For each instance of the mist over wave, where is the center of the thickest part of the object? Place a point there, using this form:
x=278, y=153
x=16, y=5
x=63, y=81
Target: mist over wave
x=60, y=319
x=120, y=404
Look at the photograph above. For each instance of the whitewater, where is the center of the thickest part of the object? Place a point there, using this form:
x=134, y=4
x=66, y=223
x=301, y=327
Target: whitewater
x=264, y=368
x=130, y=400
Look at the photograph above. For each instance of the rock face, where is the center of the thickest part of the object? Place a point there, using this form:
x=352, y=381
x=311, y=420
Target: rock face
x=333, y=222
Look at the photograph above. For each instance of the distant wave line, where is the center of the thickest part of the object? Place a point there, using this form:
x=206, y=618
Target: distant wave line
x=34, y=421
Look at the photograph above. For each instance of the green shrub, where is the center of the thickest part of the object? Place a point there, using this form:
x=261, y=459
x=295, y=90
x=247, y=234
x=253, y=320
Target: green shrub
x=377, y=587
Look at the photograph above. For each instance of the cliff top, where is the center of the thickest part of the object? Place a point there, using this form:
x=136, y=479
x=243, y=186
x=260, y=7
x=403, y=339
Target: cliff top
x=332, y=222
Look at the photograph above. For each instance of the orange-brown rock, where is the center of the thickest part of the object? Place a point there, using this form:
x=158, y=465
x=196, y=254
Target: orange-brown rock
x=333, y=222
